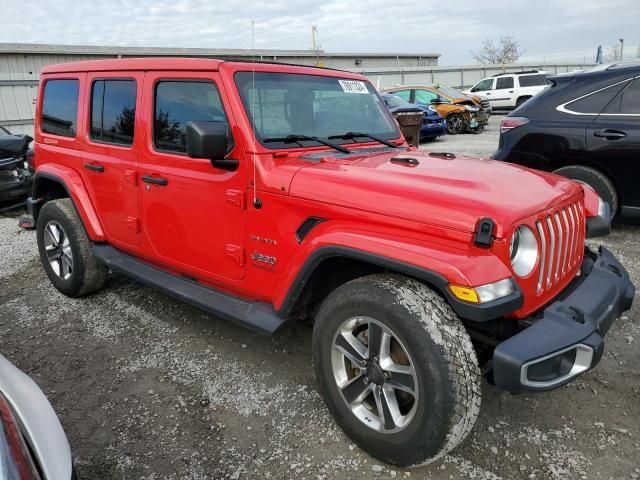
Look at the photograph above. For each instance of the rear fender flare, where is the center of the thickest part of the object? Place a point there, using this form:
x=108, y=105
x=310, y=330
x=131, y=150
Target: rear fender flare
x=72, y=182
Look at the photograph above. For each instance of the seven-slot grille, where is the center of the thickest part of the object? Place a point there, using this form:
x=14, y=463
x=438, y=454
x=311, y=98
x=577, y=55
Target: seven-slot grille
x=561, y=234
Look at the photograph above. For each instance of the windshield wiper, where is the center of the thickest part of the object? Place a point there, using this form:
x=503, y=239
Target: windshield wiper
x=298, y=138
x=352, y=135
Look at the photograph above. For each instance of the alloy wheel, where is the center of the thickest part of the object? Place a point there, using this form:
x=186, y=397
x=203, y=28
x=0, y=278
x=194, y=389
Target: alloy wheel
x=58, y=249
x=374, y=374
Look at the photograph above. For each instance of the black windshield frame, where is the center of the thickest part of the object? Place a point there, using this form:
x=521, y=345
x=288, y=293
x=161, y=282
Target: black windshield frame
x=243, y=81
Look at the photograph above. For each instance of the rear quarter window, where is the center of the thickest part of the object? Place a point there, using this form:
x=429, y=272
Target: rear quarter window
x=60, y=107
x=628, y=102
x=532, y=80
x=595, y=102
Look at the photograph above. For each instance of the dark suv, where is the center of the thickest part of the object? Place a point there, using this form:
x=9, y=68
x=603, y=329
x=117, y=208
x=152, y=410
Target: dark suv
x=585, y=127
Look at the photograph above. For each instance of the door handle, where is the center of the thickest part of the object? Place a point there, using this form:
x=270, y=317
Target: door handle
x=155, y=180
x=510, y=91
x=94, y=167
x=609, y=134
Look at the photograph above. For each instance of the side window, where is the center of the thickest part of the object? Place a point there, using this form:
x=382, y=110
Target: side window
x=113, y=111
x=628, y=102
x=532, y=80
x=486, y=84
x=60, y=107
x=504, y=82
x=424, y=97
x=596, y=102
x=179, y=102
x=403, y=94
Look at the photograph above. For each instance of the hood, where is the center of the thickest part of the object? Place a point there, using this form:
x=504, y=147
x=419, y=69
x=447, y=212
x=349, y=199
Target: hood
x=448, y=192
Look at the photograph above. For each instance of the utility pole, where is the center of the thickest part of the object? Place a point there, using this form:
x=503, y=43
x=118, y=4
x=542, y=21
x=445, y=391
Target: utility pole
x=621, y=48
x=314, y=43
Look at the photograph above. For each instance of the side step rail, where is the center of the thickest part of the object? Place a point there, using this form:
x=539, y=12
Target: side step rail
x=258, y=316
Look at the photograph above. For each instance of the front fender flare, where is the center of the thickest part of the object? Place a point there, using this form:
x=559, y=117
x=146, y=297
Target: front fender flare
x=437, y=267
x=72, y=182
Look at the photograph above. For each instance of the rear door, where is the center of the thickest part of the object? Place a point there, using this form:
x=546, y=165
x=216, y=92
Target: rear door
x=110, y=163
x=613, y=140
x=193, y=213
x=503, y=94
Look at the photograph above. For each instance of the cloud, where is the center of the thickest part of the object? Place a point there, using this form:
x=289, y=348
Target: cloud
x=452, y=29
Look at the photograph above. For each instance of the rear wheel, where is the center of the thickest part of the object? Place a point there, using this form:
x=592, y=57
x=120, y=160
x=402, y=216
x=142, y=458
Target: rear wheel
x=396, y=368
x=65, y=250
x=596, y=180
x=521, y=100
x=456, y=124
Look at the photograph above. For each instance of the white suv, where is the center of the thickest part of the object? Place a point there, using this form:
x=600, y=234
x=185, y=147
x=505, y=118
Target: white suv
x=508, y=90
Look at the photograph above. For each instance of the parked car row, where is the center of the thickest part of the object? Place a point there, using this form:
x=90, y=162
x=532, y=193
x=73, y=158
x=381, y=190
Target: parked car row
x=462, y=113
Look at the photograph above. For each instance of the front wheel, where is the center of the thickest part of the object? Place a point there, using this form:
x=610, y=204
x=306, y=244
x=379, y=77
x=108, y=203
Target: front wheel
x=396, y=369
x=456, y=124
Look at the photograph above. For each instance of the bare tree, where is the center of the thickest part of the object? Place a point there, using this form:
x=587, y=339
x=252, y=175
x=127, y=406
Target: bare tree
x=507, y=50
x=638, y=52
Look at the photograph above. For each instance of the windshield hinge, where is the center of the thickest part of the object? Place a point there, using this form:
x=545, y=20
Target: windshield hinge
x=484, y=232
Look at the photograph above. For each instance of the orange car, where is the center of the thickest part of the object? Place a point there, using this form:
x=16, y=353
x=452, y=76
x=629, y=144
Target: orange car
x=463, y=113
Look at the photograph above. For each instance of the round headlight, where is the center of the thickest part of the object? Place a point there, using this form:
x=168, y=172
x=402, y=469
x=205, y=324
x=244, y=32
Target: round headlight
x=524, y=251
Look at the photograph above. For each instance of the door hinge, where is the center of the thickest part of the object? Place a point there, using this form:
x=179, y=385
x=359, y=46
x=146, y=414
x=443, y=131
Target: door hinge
x=133, y=224
x=131, y=177
x=236, y=252
x=237, y=198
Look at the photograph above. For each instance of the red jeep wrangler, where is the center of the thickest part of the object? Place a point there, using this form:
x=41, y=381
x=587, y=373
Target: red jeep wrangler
x=267, y=193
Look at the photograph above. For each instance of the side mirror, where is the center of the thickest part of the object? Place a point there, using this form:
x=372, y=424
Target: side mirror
x=211, y=140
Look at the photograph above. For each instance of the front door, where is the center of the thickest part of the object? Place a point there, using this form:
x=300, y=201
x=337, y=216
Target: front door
x=613, y=140
x=193, y=213
x=484, y=88
x=110, y=163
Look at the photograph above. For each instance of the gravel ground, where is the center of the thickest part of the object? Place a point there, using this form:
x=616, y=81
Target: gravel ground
x=148, y=388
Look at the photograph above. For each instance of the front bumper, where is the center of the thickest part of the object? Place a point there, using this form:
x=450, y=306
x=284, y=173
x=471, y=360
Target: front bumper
x=567, y=338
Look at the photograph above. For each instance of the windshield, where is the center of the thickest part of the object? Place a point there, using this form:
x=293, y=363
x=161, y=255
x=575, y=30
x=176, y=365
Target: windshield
x=452, y=92
x=283, y=104
x=394, y=101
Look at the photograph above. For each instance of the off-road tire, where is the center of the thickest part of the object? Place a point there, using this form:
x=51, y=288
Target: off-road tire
x=456, y=124
x=447, y=371
x=88, y=275
x=596, y=180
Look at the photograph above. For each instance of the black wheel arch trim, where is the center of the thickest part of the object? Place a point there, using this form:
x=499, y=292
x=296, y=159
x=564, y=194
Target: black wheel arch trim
x=474, y=312
x=34, y=203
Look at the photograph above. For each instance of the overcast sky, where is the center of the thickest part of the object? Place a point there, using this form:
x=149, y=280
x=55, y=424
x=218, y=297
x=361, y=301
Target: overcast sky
x=568, y=28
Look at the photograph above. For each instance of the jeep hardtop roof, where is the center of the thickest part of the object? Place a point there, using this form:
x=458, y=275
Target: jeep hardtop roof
x=187, y=64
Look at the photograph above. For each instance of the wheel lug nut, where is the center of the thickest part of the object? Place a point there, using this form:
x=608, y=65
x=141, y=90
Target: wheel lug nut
x=366, y=380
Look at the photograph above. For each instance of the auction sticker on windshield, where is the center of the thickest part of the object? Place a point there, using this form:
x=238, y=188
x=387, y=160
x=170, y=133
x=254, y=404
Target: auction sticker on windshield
x=353, y=86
